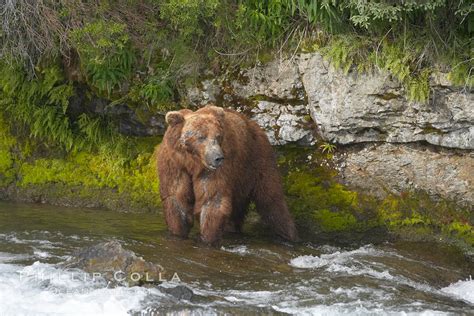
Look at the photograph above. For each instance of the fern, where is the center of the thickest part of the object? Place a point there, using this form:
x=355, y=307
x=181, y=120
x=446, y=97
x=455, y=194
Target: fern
x=41, y=106
x=346, y=52
x=105, y=53
x=158, y=91
x=462, y=73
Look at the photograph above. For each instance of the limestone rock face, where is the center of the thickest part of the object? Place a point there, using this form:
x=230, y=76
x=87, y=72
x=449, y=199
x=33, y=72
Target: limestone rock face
x=347, y=108
x=271, y=94
x=278, y=80
x=394, y=168
x=356, y=108
x=283, y=123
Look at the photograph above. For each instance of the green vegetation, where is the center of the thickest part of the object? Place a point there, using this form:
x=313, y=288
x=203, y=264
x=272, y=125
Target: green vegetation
x=105, y=54
x=40, y=103
x=144, y=52
x=6, y=159
x=327, y=148
x=99, y=178
x=323, y=208
x=408, y=39
x=138, y=48
x=93, y=171
x=319, y=203
x=95, y=174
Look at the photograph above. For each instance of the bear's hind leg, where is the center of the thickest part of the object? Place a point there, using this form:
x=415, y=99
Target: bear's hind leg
x=271, y=205
x=236, y=220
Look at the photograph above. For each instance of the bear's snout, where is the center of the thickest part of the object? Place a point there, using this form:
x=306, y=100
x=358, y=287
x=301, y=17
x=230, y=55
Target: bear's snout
x=218, y=161
x=214, y=157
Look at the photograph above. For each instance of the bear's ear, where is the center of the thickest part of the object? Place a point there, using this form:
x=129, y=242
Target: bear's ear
x=174, y=117
x=220, y=113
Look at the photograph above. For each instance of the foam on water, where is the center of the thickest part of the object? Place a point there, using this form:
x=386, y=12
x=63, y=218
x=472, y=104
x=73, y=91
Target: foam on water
x=339, y=257
x=358, y=309
x=244, y=250
x=352, y=263
x=240, y=249
x=250, y=297
x=13, y=238
x=463, y=290
x=336, y=281
x=8, y=257
x=42, y=289
x=41, y=254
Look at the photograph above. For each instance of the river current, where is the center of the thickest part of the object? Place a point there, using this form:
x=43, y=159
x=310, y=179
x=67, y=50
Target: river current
x=249, y=274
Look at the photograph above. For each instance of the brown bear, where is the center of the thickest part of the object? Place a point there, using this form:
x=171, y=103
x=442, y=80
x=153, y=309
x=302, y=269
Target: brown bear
x=212, y=163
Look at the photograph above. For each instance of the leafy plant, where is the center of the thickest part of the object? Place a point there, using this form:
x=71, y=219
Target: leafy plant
x=328, y=148
x=158, y=91
x=39, y=103
x=187, y=16
x=462, y=73
x=346, y=52
x=147, y=51
x=105, y=53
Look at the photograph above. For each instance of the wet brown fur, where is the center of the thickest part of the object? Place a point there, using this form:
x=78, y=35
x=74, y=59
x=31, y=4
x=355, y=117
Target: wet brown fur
x=219, y=198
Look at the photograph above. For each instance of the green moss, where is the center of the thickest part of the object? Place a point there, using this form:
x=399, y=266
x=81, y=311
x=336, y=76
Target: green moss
x=325, y=208
x=415, y=214
x=318, y=202
x=96, y=171
x=430, y=129
x=7, y=172
x=6, y=164
x=461, y=230
x=335, y=221
x=324, y=205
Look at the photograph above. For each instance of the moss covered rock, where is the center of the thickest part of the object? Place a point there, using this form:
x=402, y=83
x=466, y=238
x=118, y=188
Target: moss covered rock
x=326, y=209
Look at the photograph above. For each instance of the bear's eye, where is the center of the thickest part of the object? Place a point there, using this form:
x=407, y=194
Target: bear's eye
x=201, y=138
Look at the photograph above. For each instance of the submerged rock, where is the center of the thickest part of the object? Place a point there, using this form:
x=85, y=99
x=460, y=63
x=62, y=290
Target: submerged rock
x=180, y=292
x=115, y=264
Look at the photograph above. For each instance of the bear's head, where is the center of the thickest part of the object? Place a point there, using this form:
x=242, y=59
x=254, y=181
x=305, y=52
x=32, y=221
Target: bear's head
x=202, y=133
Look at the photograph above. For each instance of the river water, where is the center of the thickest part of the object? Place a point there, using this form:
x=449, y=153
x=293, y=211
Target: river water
x=249, y=274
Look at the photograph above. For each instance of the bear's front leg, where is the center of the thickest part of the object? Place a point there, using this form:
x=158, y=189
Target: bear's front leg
x=214, y=215
x=178, y=205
